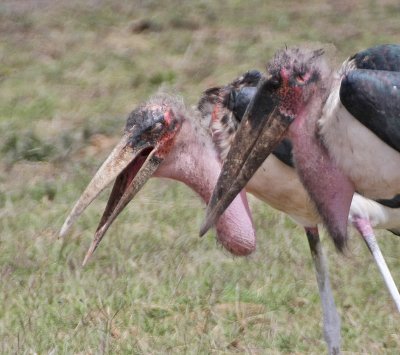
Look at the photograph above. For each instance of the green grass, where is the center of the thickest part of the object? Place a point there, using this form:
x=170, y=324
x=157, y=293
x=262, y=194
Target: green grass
x=69, y=74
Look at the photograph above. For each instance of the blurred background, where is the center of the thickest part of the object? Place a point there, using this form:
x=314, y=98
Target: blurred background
x=70, y=72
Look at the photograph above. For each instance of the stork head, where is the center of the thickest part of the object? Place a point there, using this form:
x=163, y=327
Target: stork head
x=295, y=79
x=236, y=96
x=223, y=108
x=147, y=139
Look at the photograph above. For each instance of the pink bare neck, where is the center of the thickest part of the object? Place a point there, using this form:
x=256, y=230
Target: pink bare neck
x=194, y=161
x=328, y=187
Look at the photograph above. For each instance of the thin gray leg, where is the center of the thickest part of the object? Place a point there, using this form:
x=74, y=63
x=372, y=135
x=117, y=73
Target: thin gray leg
x=330, y=314
x=364, y=227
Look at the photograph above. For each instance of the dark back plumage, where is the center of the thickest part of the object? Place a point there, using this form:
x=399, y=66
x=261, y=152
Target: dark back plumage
x=383, y=57
x=370, y=91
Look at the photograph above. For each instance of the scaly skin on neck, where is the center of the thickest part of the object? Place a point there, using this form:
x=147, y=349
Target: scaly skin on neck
x=194, y=161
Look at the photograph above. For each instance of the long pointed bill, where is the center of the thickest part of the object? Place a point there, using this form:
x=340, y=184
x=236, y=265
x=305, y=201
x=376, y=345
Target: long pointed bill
x=261, y=130
x=127, y=185
x=116, y=162
x=131, y=167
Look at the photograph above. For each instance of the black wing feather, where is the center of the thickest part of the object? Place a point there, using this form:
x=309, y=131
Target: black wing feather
x=373, y=98
x=383, y=57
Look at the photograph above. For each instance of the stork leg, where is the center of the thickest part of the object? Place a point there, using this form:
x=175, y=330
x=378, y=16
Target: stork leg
x=330, y=314
x=365, y=229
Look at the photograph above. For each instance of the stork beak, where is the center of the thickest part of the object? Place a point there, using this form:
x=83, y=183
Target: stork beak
x=260, y=131
x=131, y=166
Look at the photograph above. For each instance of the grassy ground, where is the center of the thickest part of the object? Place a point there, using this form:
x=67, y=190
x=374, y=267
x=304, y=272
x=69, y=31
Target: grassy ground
x=69, y=74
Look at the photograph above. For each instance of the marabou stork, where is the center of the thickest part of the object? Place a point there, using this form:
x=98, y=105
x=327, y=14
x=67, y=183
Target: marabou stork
x=345, y=130
x=276, y=183
x=163, y=138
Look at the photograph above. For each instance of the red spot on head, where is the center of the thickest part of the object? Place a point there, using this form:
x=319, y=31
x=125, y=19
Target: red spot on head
x=167, y=140
x=168, y=116
x=290, y=95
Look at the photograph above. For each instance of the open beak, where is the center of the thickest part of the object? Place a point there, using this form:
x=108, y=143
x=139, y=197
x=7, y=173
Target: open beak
x=260, y=131
x=131, y=167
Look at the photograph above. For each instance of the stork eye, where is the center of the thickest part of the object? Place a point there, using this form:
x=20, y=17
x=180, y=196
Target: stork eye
x=300, y=79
